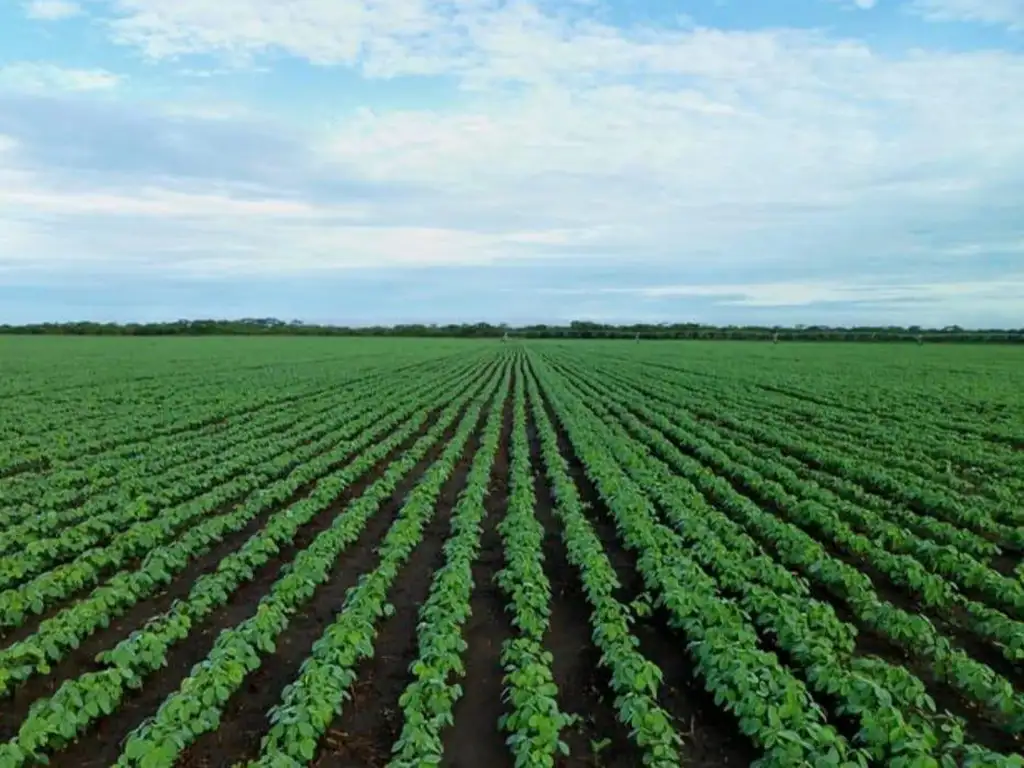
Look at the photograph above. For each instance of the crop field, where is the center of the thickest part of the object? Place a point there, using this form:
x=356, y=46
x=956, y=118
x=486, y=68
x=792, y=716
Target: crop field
x=384, y=552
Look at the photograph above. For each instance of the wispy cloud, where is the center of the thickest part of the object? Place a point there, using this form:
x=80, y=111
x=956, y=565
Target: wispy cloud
x=52, y=10
x=42, y=77
x=864, y=5
x=1009, y=13
x=1005, y=292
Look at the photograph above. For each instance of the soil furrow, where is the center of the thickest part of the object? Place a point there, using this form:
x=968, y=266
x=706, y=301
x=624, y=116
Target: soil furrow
x=476, y=738
x=363, y=735
x=229, y=543
x=887, y=589
x=871, y=642
x=102, y=744
x=711, y=736
x=583, y=687
x=82, y=659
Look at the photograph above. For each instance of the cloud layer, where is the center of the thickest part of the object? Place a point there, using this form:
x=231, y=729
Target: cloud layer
x=52, y=10
x=1009, y=13
x=42, y=77
x=558, y=139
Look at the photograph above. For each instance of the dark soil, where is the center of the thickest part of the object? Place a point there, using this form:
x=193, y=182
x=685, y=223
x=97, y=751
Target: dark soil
x=475, y=739
x=371, y=722
x=979, y=728
x=245, y=718
x=40, y=464
x=583, y=685
x=102, y=744
x=82, y=659
x=31, y=625
x=1005, y=563
x=711, y=736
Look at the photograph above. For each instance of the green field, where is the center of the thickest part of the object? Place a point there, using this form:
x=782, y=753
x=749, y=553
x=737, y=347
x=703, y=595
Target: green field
x=408, y=552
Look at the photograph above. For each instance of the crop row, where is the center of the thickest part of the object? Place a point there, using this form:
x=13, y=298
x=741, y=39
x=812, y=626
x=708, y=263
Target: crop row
x=807, y=630
x=53, y=721
x=67, y=629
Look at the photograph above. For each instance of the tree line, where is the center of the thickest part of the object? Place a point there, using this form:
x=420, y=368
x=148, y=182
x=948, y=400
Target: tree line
x=579, y=329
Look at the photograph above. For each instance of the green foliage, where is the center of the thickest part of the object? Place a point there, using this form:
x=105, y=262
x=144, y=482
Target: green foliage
x=779, y=505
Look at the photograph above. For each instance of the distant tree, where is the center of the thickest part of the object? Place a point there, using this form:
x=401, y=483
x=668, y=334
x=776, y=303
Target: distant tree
x=578, y=329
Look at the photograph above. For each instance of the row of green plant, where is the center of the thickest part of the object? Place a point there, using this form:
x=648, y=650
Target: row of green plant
x=934, y=479
x=634, y=679
x=797, y=549
x=918, y=565
x=39, y=594
x=942, y=455
x=831, y=468
x=147, y=480
x=198, y=399
x=534, y=721
x=316, y=697
x=54, y=721
x=66, y=630
x=428, y=701
x=63, y=497
x=897, y=718
x=961, y=456
x=872, y=472
x=910, y=393
x=773, y=707
x=138, y=518
x=49, y=501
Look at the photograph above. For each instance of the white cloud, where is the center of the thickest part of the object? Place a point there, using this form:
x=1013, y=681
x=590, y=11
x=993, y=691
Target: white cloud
x=42, y=77
x=798, y=294
x=1008, y=13
x=478, y=39
x=166, y=203
x=221, y=109
x=192, y=231
x=52, y=10
x=1002, y=294
x=864, y=5
x=598, y=118
x=787, y=152
x=981, y=249
x=304, y=249
x=321, y=30
x=717, y=148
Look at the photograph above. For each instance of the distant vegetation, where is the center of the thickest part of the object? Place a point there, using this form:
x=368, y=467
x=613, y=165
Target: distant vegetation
x=577, y=329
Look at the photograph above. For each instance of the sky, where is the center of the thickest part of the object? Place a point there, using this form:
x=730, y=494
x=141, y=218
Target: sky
x=838, y=162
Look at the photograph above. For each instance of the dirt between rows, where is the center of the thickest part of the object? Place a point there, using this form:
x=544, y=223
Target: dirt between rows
x=985, y=727
x=364, y=734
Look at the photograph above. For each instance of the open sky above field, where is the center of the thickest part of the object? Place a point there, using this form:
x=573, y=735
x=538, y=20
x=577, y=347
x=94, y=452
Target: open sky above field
x=836, y=161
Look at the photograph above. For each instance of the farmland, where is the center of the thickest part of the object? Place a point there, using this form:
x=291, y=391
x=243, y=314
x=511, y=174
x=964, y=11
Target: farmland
x=357, y=552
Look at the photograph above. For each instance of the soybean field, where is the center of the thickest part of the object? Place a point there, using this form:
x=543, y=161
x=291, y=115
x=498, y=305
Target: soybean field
x=409, y=553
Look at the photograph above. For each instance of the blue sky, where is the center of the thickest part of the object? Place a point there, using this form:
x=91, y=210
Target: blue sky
x=792, y=161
